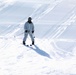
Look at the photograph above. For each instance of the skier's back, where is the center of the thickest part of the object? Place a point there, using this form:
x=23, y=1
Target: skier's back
x=28, y=29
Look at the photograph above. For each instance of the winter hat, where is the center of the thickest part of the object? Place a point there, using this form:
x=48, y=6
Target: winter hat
x=30, y=18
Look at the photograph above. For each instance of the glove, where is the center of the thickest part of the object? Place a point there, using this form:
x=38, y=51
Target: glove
x=32, y=31
x=26, y=31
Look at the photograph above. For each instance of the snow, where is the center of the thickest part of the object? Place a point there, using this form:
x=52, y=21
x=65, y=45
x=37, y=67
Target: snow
x=42, y=59
x=54, y=52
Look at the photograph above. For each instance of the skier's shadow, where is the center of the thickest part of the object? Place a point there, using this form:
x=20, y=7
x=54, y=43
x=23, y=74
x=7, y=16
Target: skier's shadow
x=41, y=52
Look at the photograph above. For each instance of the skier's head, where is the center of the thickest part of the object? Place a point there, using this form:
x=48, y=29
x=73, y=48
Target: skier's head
x=29, y=19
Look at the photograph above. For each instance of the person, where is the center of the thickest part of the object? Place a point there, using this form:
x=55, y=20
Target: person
x=28, y=29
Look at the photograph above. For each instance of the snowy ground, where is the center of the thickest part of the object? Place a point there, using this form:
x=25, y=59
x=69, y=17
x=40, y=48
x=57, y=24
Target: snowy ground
x=41, y=59
x=54, y=52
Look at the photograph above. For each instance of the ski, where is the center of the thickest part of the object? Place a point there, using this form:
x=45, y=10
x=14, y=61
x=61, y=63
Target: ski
x=30, y=44
x=27, y=45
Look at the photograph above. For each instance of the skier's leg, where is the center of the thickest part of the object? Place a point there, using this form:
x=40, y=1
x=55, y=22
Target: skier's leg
x=25, y=37
x=32, y=38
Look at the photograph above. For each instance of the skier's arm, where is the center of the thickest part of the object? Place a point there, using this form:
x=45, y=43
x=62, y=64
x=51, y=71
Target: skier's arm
x=25, y=27
x=32, y=28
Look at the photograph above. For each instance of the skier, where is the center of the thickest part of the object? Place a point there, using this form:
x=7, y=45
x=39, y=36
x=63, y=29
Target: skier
x=28, y=29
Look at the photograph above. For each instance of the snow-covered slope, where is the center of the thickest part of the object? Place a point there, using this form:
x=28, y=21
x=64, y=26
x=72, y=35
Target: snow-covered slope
x=55, y=38
x=53, y=17
x=41, y=59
